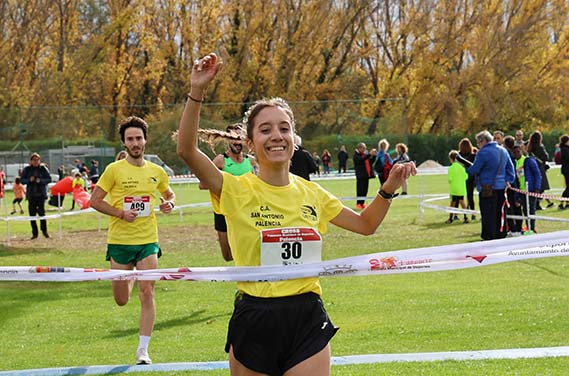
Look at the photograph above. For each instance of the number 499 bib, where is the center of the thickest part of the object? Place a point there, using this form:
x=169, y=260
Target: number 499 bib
x=290, y=245
x=139, y=203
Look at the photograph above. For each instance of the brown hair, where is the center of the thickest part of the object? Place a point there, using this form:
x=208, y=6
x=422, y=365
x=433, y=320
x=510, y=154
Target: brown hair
x=465, y=146
x=133, y=122
x=259, y=105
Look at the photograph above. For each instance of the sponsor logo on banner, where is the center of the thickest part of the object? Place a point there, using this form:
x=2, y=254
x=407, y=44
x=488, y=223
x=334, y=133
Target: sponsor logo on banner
x=393, y=263
x=337, y=269
x=48, y=269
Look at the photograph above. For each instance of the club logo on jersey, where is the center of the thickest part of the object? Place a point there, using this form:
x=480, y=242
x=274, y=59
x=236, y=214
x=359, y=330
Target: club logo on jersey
x=153, y=180
x=308, y=212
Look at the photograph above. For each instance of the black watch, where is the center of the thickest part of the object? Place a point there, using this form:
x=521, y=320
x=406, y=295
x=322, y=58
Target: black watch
x=387, y=196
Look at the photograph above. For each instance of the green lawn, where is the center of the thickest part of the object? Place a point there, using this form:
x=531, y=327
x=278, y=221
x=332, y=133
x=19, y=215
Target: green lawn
x=511, y=305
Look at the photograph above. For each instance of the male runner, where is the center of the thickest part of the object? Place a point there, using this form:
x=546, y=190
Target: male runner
x=237, y=163
x=133, y=185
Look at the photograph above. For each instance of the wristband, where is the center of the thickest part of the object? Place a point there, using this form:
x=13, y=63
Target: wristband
x=194, y=99
x=171, y=204
x=387, y=196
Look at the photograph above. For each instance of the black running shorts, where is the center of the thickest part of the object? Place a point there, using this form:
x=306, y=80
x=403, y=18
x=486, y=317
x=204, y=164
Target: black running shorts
x=272, y=335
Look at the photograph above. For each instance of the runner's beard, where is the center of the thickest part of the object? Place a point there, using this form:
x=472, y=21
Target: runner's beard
x=236, y=148
x=135, y=153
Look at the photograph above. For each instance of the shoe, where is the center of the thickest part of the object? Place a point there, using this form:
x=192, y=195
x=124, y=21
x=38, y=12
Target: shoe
x=360, y=206
x=550, y=205
x=448, y=221
x=142, y=357
x=465, y=220
x=21, y=212
x=34, y=237
x=403, y=193
x=455, y=218
x=538, y=207
x=561, y=207
x=45, y=234
x=473, y=218
x=13, y=212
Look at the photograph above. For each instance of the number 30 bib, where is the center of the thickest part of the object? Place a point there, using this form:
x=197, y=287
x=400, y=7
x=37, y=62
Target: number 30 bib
x=138, y=203
x=290, y=245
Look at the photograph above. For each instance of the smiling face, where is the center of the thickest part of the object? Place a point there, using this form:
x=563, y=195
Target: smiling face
x=134, y=142
x=235, y=147
x=272, y=137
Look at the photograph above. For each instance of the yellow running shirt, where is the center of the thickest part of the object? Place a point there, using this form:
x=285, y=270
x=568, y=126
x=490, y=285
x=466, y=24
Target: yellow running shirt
x=130, y=186
x=251, y=205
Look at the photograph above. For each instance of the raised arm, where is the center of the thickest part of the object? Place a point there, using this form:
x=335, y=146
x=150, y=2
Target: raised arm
x=204, y=71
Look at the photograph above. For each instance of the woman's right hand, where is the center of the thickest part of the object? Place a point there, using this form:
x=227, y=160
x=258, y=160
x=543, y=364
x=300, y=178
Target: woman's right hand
x=203, y=72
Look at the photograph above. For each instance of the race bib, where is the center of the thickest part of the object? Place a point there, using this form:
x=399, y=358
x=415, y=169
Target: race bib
x=139, y=203
x=290, y=246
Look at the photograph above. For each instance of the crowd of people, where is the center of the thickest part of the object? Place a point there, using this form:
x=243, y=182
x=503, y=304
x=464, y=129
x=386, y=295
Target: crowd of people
x=505, y=169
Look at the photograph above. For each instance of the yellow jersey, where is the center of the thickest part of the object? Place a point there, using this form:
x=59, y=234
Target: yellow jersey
x=251, y=205
x=133, y=187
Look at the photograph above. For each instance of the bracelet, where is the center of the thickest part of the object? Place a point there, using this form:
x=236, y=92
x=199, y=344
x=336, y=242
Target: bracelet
x=194, y=99
x=387, y=196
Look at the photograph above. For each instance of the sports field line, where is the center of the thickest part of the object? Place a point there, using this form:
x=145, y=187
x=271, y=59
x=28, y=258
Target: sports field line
x=542, y=352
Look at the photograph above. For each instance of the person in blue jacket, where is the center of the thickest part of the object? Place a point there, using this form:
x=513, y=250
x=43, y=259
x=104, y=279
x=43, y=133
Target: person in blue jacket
x=492, y=167
x=529, y=179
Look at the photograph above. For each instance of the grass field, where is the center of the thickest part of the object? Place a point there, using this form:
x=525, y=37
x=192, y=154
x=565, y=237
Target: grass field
x=512, y=305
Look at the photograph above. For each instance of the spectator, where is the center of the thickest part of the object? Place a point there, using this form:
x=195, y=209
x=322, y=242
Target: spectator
x=494, y=169
x=557, y=154
x=326, y=160
x=343, y=159
x=78, y=181
x=519, y=140
x=19, y=192
x=120, y=155
x=2, y=179
x=457, y=178
x=302, y=163
x=94, y=172
x=61, y=172
x=317, y=160
x=514, y=208
x=402, y=157
x=536, y=149
x=564, y=157
x=499, y=137
x=383, y=161
x=79, y=165
x=527, y=171
x=467, y=151
x=363, y=162
x=36, y=177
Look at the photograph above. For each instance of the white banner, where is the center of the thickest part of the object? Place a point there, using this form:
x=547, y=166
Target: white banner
x=448, y=257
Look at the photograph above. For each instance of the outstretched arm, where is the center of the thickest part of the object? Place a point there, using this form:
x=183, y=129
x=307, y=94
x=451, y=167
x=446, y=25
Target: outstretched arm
x=368, y=220
x=204, y=71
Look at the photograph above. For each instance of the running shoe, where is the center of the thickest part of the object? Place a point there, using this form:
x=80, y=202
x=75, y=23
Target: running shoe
x=142, y=357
